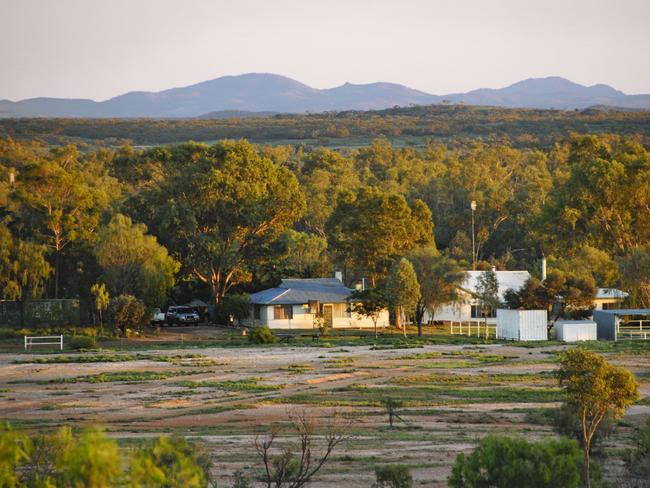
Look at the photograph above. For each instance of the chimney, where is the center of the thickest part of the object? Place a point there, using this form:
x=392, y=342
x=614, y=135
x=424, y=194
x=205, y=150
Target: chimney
x=338, y=275
x=543, y=268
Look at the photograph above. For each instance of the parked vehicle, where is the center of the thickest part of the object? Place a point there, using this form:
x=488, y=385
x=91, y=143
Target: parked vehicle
x=157, y=317
x=181, y=316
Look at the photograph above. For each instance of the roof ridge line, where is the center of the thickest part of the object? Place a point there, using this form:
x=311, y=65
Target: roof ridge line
x=281, y=294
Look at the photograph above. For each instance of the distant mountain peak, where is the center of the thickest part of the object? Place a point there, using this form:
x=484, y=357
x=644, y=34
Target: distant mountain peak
x=249, y=93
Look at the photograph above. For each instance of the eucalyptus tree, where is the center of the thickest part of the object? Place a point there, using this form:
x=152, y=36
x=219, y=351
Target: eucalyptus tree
x=369, y=229
x=439, y=278
x=222, y=209
x=403, y=291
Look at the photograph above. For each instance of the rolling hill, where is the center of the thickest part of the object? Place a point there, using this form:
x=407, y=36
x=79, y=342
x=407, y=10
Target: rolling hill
x=270, y=93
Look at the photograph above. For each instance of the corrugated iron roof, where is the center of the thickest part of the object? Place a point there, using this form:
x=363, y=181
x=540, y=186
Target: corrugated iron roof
x=507, y=280
x=300, y=291
x=603, y=293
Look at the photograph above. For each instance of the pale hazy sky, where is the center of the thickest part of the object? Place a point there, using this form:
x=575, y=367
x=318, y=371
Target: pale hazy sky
x=99, y=49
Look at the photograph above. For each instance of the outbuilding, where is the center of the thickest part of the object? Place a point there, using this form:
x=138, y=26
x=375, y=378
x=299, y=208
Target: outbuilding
x=624, y=323
x=522, y=325
x=576, y=330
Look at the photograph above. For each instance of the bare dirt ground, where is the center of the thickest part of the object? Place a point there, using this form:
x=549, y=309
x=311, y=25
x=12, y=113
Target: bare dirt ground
x=452, y=395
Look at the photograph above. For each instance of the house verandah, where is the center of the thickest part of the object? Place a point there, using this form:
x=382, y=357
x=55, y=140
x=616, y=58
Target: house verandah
x=308, y=304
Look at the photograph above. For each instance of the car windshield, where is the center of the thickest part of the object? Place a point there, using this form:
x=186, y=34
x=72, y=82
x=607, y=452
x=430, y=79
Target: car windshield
x=183, y=310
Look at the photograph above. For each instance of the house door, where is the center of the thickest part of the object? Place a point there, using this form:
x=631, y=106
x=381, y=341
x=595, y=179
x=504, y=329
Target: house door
x=327, y=315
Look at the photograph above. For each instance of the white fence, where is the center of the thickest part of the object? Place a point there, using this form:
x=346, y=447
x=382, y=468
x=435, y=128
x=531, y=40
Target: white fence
x=476, y=328
x=633, y=329
x=38, y=341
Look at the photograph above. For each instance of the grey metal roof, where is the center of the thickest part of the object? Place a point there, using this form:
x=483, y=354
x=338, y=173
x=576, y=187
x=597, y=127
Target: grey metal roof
x=300, y=291
x=506, y=279
x=604, y=293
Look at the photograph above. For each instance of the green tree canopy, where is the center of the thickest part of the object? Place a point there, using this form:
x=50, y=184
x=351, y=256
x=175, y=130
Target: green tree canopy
x=24, y=269
x=439, y=278
x=487, y=291
x=223, y=209
x=370, y=228
x=59, y=198
x=594, y=388
x=134, y=263
x=605, y=201
x=567, y=294
x=635, y=275
x=402, y=290
x=370, y=303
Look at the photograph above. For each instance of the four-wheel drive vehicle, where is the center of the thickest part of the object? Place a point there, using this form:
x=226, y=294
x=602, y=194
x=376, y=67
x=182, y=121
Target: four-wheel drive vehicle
x=181, y=316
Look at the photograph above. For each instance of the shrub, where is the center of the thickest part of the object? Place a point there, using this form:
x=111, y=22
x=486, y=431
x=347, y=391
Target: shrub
x=127, y=312
x=505, y=461
x=393, y=476
x=235, y=305
x=7, y=333
x=82, y=342
x=92, y=460
x=15, y=449
x=170, y=462
x=240, y=480
x=262, y=335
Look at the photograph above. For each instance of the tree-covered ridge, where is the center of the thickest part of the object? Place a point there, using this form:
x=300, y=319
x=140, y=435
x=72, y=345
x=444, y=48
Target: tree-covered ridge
x=403, y=125
x=233, y=216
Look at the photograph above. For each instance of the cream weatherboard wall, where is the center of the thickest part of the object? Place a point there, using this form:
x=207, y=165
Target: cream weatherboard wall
x=303, y=319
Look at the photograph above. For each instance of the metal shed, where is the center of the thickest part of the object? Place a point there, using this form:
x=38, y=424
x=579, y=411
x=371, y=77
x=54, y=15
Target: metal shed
x=624, y=323
x=522, y=325
x=576, y=330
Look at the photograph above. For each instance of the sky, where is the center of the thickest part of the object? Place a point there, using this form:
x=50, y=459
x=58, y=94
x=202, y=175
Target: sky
x=102, y=48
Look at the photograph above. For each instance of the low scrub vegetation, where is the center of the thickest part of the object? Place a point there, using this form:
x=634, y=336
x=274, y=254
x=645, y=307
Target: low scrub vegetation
x=504, y=462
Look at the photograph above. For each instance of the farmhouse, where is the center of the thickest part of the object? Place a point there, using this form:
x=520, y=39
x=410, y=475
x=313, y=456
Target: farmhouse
x=303, y=303
x=468, y=307
x=608, y=298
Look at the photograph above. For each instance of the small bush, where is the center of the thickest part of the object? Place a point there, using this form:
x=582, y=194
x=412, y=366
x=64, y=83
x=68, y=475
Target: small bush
x=169, y=461
x=7, y=333
x=235, y=305
x=505, y=461
x=393, y=476
x=127, y=312
x=262, y=335
x=82, y=342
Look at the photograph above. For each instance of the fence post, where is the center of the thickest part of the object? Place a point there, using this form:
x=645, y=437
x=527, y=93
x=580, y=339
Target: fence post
x=61, y=342
x=25, y=343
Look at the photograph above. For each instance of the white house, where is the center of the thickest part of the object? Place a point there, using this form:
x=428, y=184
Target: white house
x=468, y=307
x=300, y=303
x=609, y=298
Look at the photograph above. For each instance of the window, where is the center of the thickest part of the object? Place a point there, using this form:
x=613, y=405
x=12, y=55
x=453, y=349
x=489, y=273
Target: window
x=257, y=310
x=477, y=312
x=283, y=312
x=340, y=310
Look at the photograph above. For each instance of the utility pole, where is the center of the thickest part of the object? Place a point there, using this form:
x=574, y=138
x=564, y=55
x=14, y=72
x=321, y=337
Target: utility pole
x=472, y=205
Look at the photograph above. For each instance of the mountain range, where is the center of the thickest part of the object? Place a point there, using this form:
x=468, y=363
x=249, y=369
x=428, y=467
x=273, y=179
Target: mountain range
x=249, y=94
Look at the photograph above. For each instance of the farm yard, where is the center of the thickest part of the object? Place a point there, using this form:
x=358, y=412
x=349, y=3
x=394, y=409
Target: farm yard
x=449, y=391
